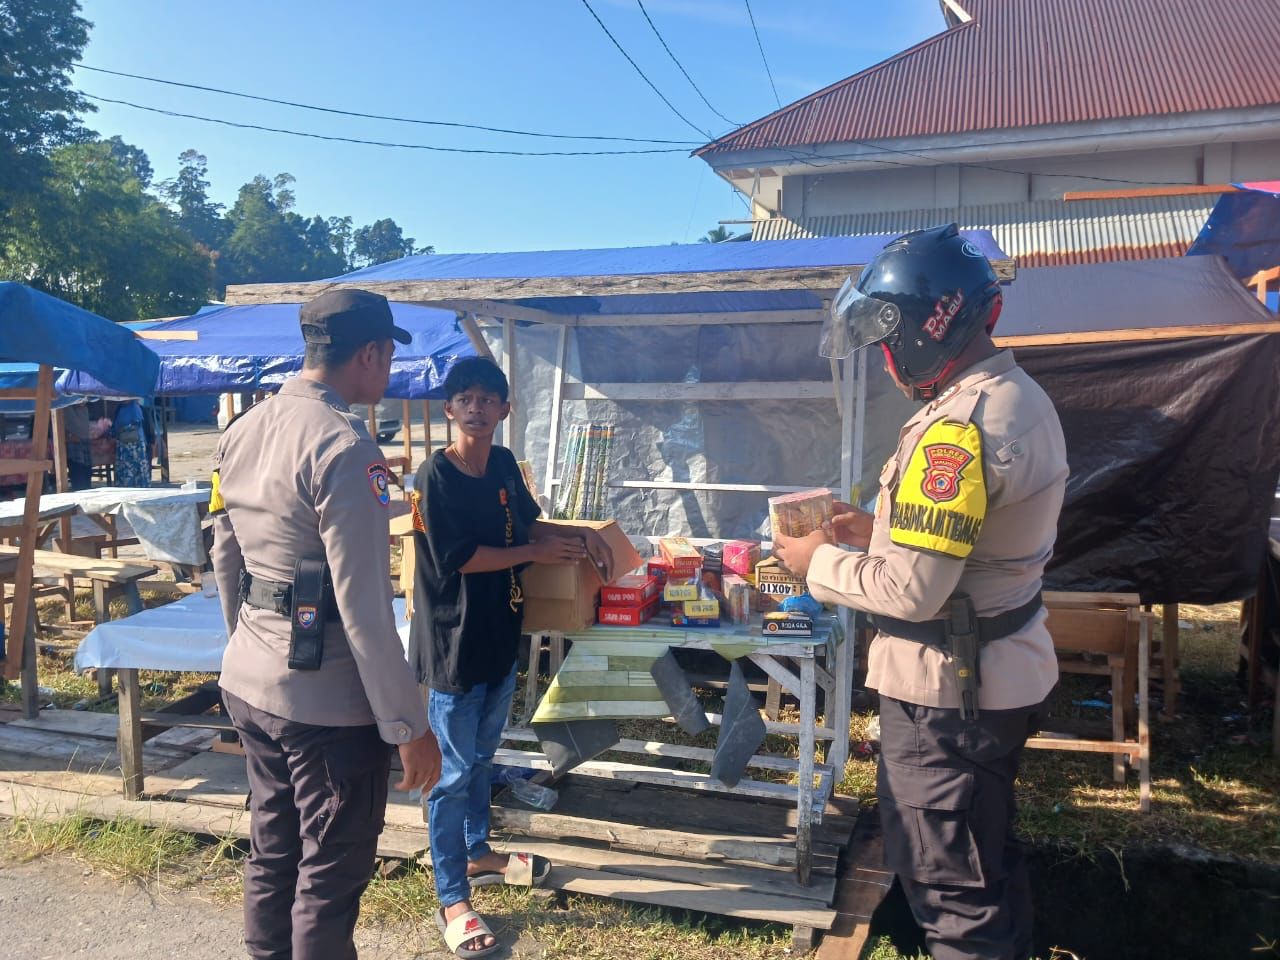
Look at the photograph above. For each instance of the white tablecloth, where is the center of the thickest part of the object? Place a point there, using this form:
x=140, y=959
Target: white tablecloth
x=187, y=635
x=165, y=521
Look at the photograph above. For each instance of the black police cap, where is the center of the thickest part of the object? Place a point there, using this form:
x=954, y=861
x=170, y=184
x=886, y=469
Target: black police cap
x=351, y=317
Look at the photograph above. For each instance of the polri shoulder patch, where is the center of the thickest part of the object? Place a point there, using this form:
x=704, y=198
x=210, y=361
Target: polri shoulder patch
x=378, y=481
x=941, y=501
x=419, y=521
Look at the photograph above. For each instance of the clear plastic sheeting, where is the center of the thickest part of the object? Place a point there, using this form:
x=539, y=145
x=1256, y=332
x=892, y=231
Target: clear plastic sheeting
x=766, y=442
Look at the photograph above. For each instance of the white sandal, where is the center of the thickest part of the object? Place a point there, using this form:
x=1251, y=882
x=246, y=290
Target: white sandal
x=523, y=870
x=463, y=929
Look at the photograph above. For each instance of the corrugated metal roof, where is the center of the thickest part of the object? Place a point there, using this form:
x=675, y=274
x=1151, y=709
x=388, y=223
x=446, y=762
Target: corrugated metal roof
x=1039, y=234
x=1024, y=63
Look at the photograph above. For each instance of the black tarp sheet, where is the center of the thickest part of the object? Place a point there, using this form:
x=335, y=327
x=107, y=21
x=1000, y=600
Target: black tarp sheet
x=1172, y=444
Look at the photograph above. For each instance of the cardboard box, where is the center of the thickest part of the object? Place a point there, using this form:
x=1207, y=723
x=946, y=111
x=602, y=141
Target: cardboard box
x=707, y=605
x=799, y=514
x=680, y=589
x=788, y=625
x=659, y=568
x=681, y=554
x=627, y=616
x=678, y=619
x=633, y=590
x=775, y=582
x=737, y=598
x=562, y=598
x=741, y=557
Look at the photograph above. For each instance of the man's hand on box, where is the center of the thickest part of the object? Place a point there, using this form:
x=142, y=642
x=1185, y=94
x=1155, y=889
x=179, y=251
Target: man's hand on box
x=850, y=525
x=558, y=550
x=796, y=553
x=601, y=555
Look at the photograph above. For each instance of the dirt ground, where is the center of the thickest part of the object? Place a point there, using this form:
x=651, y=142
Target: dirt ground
x=192, y=445
x=56, y=907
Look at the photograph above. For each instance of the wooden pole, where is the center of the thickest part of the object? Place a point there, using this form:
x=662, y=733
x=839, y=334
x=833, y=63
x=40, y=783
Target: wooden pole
x=62, y=482
x=231, y=407
x=407, y=418
x=373, y=421
x=22, y=605
x=426, y=418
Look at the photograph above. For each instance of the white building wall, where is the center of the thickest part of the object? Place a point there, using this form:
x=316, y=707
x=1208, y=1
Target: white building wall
x=969, y=185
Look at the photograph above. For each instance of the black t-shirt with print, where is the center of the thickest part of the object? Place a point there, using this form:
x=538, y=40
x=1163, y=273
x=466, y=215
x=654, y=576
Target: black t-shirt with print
x=466, y=626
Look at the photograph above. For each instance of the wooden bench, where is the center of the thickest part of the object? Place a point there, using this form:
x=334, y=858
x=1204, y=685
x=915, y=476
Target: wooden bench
x=1115, y=627
x=108, y=578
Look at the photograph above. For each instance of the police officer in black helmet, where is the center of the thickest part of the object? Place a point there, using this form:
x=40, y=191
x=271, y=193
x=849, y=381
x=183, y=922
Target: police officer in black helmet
x=950, y=574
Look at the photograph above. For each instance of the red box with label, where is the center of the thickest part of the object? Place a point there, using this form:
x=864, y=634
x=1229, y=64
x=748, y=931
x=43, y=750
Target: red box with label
x=659, y=568
x=627, y=616
x=633, y=590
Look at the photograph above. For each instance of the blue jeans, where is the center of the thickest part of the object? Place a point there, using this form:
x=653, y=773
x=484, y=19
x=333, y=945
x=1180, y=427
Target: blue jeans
x=469, y=728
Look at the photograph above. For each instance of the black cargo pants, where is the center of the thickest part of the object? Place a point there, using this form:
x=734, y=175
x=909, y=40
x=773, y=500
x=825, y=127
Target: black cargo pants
x=318, y=797
x=947, y=808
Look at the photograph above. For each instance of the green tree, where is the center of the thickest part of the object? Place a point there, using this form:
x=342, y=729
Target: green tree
x=40, y=40
x=188, y=193
x=383, y=241
x=719, y=235
x=94, y=237
x=263, y=246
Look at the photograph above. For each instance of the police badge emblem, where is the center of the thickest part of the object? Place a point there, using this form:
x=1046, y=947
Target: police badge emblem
x=378, y=481
x=942, y=474
x=306, y=616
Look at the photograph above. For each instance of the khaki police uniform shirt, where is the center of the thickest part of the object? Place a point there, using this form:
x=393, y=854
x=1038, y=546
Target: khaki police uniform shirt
x=300, y=477
x=1025, y=471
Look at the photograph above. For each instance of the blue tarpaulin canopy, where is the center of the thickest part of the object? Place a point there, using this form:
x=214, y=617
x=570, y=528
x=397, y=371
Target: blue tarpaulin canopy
x=1244, y=227
x=36, y=328
x=239, y=349
x=670, y=263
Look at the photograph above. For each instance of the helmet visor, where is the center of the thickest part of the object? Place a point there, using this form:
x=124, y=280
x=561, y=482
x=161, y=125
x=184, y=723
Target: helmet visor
x=855, y=321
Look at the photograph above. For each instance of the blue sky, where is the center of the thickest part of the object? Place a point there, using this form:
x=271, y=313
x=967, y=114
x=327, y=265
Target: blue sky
x=540, y=65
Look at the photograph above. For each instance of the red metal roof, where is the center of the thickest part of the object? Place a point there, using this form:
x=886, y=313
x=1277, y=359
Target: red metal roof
x=1025, y=63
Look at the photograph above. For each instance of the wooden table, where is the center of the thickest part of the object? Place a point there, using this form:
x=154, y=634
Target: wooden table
x=793, y=663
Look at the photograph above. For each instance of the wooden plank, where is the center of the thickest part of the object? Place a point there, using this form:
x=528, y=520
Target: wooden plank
x=1139, y=193
x=718, y=487
x=25, y=466
x=728, y=391
x=130, y=733
x=1065, y=598
x=1130, y=335
x=686, y=896
x=557, y=402
x=686, y=780
x=1081, y=746
x=1170, y=658
x=17, y=393
x=104, y=726
x=501, y=289
x=775, y=670
x=49, y=750
x=23, y=608
x=718, y=874
x=751, y=317
x=87, y=568
x=188, y=335
x=406, y=422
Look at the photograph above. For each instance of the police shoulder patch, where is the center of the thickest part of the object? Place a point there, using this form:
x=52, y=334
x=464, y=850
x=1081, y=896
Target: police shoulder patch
x=378, y=481
x=941, y=500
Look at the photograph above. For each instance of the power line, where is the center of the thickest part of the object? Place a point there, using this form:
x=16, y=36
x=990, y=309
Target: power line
x=383, y=143
x=669, y=104
x=378, y=116
x=763, y=58
x=681, y=66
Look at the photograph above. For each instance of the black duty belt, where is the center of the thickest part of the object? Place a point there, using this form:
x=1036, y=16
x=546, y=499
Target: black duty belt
x=935, y=633
x=277, y=597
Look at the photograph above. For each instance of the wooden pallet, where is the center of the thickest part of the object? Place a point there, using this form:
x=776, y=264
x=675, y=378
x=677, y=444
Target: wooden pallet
x=732, y=856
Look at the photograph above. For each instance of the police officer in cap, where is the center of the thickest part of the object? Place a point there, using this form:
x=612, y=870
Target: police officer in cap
x=950, y=572
x=314, y=676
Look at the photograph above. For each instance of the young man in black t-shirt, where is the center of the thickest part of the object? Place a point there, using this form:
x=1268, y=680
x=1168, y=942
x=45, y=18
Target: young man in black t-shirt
x=476, y=526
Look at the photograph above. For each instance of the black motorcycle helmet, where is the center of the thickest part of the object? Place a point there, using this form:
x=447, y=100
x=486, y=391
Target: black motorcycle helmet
x=923, y=298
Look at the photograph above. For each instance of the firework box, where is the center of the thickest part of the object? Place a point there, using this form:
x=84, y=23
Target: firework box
x=679, y=619
x=562, y=597
x=706, y=606
x=741, y=557
x=737, y=598
x=659, y=568
x=682, y=555
x=775, y=582
x=679, y=589
x=633, y=590
x=778, y=624
x=627, y=616
x=799, y=514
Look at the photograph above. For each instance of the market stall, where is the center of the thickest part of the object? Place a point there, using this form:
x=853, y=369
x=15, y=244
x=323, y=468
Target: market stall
x=38, y=328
